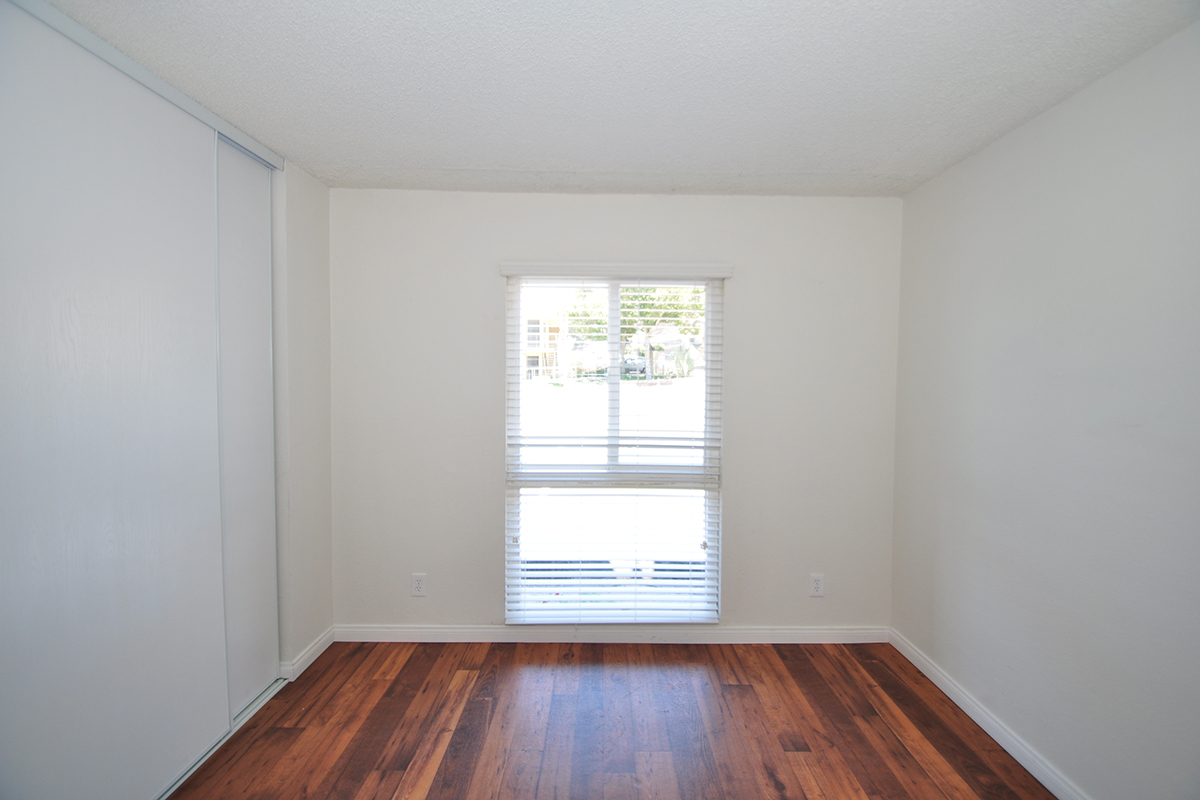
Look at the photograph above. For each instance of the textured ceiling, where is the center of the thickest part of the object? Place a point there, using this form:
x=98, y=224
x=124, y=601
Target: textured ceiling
x=801, y=97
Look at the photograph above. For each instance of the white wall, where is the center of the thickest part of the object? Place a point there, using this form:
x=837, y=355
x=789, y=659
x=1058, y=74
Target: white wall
x=1048, y=444
x=300, y=250
x=418, y=391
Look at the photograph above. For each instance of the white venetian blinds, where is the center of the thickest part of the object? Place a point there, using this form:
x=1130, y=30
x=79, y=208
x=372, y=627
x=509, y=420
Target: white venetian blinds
x=613, y=450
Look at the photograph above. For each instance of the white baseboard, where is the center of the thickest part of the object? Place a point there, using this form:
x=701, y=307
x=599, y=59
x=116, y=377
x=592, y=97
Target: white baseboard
x=1058, y=784
x=292, y=669
x=631, y=634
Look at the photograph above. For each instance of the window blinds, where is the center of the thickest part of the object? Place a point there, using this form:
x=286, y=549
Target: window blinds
x=613, y=450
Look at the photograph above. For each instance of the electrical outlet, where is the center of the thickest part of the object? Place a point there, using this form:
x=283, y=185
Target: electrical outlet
x=816, y=585
x=418, y=584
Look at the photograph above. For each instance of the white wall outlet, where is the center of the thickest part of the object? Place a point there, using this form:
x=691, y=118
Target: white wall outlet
x=816, y=585
x=418, y=584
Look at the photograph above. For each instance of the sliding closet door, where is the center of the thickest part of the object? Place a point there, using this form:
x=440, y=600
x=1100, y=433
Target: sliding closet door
x=247, y=424
x=112, y=632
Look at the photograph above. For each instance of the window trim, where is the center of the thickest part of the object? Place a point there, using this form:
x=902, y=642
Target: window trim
x=710, y=482
x=604, y=271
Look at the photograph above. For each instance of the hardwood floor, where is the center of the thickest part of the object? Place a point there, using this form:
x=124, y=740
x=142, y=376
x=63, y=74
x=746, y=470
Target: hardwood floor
x=671, y=722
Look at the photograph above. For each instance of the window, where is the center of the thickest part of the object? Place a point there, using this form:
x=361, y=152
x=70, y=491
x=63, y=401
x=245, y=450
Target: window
x=613, y=450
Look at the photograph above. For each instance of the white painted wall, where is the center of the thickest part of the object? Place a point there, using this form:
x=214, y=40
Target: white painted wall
x=418, y=391
x=300, y=250
x=1048, y=445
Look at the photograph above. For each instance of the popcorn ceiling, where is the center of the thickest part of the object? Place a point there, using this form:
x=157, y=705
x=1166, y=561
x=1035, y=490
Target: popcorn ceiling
x=826, y=97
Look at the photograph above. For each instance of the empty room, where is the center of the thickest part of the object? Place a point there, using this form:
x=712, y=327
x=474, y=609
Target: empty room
x=600, y=400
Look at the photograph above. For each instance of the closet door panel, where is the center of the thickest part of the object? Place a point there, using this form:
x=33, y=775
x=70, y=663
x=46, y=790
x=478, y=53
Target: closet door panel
x=247, y=425
x=111, y=599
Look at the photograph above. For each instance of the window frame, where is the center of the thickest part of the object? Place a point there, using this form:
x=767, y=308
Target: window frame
x=708, y=479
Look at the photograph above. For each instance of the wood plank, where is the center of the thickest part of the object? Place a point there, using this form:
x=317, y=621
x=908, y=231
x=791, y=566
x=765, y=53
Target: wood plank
x=649, y=723
x=474, y=655
x=620, y=786
x=866, y=765
x=522, y=769
x=554, y=777
x=348, y=657
x=805, y=767
x=457, y=771
x=552, y=722
x=656, y=776
x=368, y=788
x=494, y=669
x=454, y=774
x=922, y=750
x=418, y=776
x=397, y=655
x=958, y=737
x=432, y=681
x=619, y=732
x=389, y=781
x=362, y=753
x=367, y=751
x=535, y=692
x=487, y=782
x=229, y=758
x=566, y=672
x=904, y=766
x=321, y=676
x=235, y=778
x=727, y=665
x=827, y=661
x=835, y=776
x=748, y=722
x=281, y=711
x=789, y=715
x=822, y=769
x=748, y=656
x=587, y=754
x=308, y=768
x=735, y=765
x=691, y=751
